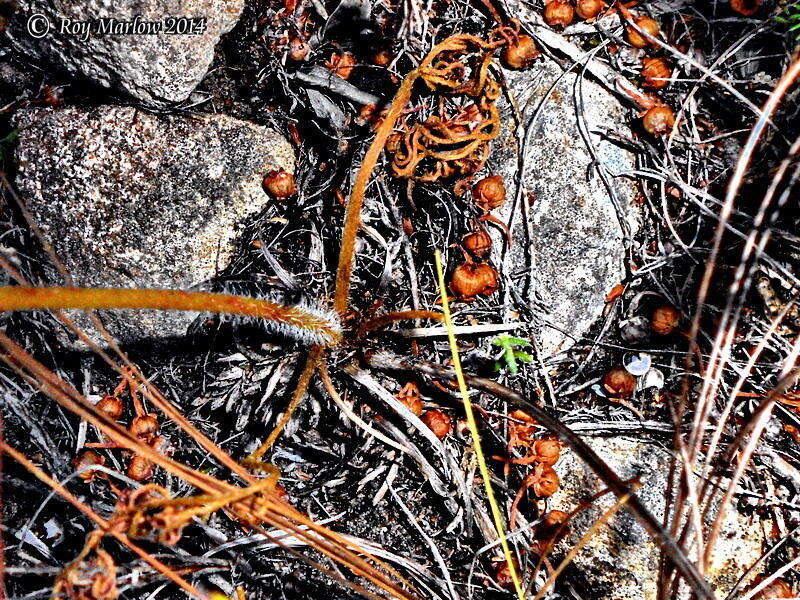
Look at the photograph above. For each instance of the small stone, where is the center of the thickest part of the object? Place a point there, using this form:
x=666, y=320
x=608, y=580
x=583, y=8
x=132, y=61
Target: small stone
x=130, y=199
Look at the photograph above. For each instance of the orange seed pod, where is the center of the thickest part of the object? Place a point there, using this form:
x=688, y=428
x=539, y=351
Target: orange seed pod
x=656, y=73
x=144, y=426
x=520, y=54
x=140, y=469
x=547, y=452
x=341, y=64
x=88, y=458
x=544, y=481
x=746, y=7
x=588, y=9
x=489, y=193
x=558, y=13
x=111, y=406
x=279, y=184
x=647, y=25
x=438, y=422
x=665, y=319
x=658, y=120
x=469, y=280
x=478, y=243
x=619, y=383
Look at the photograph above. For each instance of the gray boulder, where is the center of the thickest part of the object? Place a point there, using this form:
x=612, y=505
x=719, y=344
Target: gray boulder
x=155, y=68
x=130, y=199
x=569, y=242
x=620, y=561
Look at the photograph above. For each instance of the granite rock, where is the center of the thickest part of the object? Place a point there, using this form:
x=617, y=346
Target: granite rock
x=620, y=561
x=156, y=68
x=570, y=240
x=131, y=199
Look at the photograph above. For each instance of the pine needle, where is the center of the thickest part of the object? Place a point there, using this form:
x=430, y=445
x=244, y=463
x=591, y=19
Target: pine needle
x=473, y=428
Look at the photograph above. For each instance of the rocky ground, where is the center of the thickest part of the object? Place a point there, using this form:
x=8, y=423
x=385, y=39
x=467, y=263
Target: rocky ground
x=222, y=160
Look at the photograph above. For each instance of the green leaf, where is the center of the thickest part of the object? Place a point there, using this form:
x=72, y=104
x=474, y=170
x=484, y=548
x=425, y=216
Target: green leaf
x=523, y=356
x=507, y=340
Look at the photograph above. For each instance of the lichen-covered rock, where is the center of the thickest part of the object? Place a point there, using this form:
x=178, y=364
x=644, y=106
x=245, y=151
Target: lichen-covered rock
x=155, y=68
x=572, y=246
x=131, y=199
x=16, y=82
x=620, y=561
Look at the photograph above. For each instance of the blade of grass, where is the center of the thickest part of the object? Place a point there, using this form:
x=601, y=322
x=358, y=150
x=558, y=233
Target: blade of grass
x=473, y=428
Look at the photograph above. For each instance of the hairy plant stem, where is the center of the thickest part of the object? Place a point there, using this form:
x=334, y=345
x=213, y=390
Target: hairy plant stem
x=57, y=298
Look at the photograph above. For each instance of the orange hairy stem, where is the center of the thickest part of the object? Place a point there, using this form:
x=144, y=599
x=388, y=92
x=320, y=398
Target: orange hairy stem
x=352, y=219
x=30, y=298
x=394, y=317
x=312, y=361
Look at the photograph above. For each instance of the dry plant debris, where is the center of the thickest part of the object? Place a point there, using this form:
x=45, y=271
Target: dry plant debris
x=308, y=439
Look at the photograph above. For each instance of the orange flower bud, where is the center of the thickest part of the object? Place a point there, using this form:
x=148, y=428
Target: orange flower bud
x=478, y=243
x=558, y=13
x=502, y=575
x=298, y=49
x=489, y=192
x=551, y=525
x=111, y=406
x=470, y=280
x=619, y=383
x=656, y=73
x=88, y=458
x=381, y=57
x=647, y=25
x=520, y=54
x=144, y=426
x=665, y=319
x=409, y=395
x=547, y=452
x=341, y=64
x=280, y=184
x=746, y=7
x=658, y=120
x=438, y=422
x=544, y=481
x=589, y=9
x=140, y=469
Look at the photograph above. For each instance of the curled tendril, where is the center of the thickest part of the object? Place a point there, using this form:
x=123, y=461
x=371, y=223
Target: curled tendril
x=446, y=146
x=93, y=578
x=150, y=512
